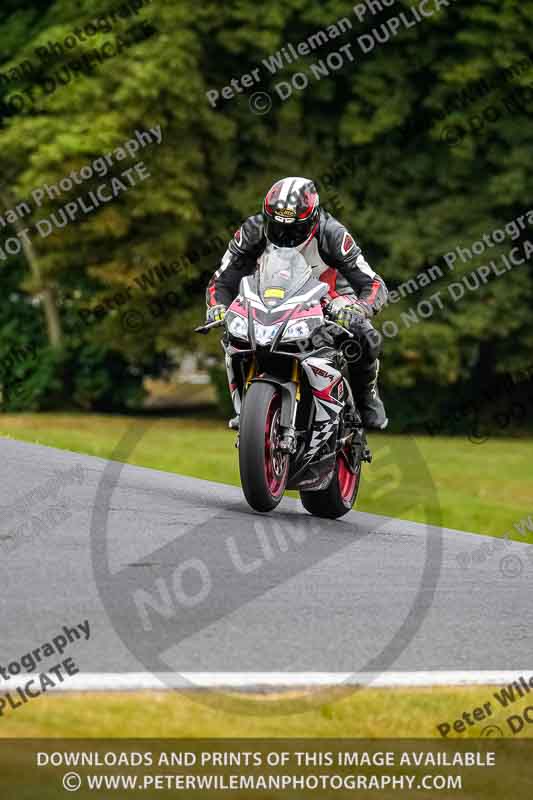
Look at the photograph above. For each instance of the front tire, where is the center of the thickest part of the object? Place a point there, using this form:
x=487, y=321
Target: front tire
x=339, y=497
x=264, y=470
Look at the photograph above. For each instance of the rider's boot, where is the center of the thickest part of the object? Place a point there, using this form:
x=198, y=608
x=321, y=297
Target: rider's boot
x=365, y=388
x=234, y=422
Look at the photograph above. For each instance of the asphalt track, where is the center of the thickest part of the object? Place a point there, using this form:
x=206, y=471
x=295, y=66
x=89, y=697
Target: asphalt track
x=240, y=592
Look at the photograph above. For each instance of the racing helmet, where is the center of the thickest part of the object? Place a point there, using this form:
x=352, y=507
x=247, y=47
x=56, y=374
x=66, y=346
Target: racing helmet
x=291, y=211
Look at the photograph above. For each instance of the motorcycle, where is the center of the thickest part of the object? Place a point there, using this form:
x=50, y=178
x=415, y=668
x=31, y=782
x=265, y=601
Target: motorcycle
x=288, y=373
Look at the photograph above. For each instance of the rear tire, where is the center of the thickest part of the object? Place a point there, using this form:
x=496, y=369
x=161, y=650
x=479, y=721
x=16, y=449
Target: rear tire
x=264, y=470
x=339, y=497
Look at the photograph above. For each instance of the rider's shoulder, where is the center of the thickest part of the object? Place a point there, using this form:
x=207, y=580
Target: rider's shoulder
x=335, y=238
x=253, y=229
x=249, y=238
x=330, y=225
x=333, y=234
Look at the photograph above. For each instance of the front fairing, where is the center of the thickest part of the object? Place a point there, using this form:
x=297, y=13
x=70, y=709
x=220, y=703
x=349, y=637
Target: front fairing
x=250, y=319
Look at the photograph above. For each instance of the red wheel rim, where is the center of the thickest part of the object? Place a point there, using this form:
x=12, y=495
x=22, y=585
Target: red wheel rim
x=276, y=463
x=347, y=478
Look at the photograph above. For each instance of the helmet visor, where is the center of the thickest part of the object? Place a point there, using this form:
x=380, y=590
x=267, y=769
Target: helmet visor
x=288, y=234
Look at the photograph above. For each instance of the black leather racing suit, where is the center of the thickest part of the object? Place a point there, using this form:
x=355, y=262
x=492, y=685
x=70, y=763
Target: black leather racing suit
x=336, y=259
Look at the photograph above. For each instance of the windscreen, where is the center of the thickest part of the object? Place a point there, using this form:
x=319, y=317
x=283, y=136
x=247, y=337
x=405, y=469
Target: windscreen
x=282, y=273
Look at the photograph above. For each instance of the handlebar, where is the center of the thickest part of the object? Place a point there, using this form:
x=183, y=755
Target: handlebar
x=204, y=329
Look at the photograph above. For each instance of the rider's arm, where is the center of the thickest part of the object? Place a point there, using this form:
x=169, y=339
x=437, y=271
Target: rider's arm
x=239, y=259
x=342, y=252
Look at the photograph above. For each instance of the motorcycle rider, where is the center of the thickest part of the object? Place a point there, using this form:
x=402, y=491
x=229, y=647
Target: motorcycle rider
x=292, y=217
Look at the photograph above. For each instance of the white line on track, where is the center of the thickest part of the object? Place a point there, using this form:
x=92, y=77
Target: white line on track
x=261, y=681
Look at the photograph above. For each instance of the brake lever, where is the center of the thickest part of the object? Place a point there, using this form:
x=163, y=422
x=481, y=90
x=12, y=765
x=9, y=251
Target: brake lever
x=341, y=329
x=206, y=328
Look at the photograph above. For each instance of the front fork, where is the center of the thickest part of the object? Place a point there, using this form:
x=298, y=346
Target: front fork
x=288, y=440
x=287, y=443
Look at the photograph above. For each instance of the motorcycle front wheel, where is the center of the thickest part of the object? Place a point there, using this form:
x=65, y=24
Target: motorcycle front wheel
x=264, y=469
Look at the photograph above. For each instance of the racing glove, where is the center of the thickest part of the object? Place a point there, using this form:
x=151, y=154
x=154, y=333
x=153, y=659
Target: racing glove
x=348, y=316
x=215, y=313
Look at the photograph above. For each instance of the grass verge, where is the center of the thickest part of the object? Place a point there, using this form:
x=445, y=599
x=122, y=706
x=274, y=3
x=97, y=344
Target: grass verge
x=364, y=713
